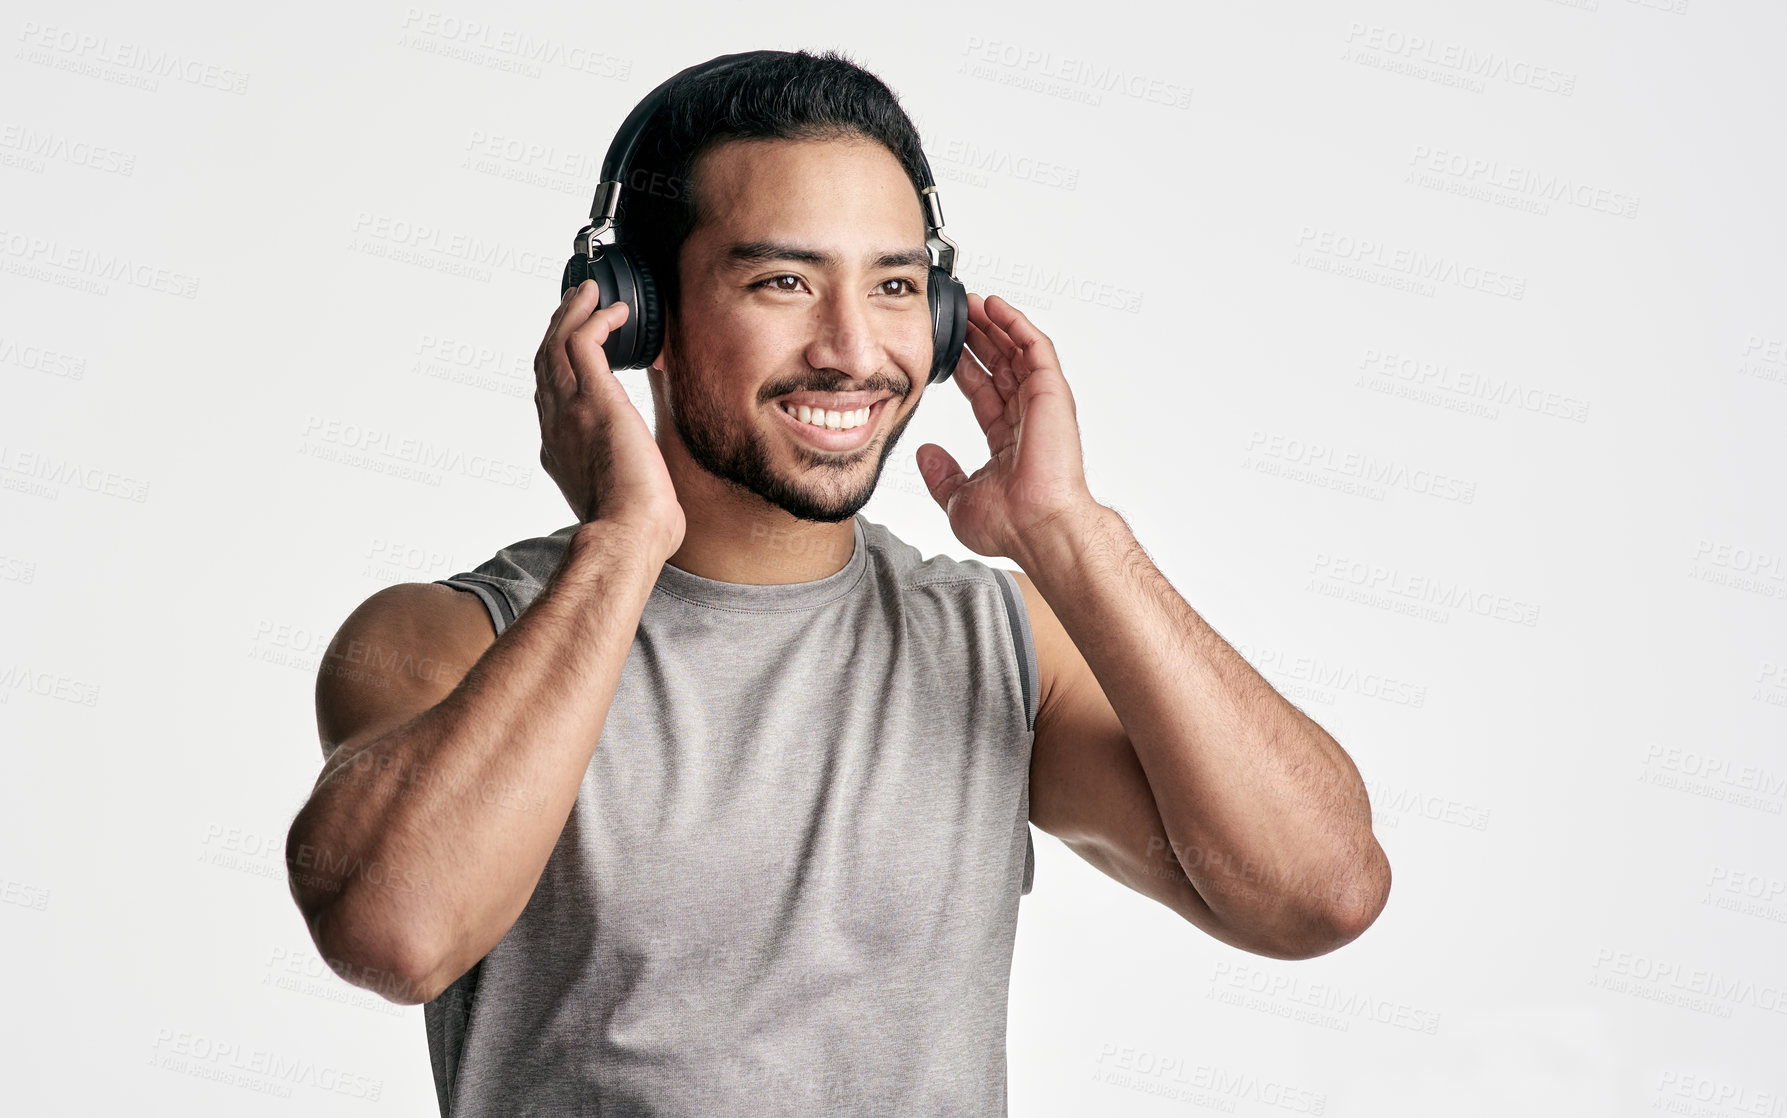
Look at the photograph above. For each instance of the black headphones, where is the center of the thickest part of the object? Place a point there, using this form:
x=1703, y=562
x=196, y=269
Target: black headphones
x=621, y=276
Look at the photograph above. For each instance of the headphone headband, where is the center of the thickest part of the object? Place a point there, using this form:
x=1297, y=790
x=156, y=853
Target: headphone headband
x=619, y=161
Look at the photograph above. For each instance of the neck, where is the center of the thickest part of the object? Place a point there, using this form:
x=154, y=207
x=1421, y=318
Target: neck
x=762, y=547
x=733, y=535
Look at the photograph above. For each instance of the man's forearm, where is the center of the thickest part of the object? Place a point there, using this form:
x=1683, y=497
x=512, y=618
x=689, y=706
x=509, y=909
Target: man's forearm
x=1265, y=812
x=434, y=835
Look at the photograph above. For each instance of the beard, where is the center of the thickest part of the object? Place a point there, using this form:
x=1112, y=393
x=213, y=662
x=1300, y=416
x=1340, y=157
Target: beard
x=826, y=487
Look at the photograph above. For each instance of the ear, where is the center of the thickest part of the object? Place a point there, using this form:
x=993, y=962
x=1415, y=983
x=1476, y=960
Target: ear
x=666, y=355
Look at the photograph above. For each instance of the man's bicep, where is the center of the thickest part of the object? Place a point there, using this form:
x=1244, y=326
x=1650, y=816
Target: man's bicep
x=1087, y=787
x=399, y=653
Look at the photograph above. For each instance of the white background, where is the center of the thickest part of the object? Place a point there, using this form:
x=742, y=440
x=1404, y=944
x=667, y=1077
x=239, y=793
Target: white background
x=1451, y=392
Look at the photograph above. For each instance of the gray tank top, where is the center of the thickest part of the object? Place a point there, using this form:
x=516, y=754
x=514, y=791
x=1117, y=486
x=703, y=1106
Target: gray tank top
x=789, y=884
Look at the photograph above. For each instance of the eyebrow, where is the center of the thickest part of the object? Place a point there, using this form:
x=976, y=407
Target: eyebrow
x=747, y=253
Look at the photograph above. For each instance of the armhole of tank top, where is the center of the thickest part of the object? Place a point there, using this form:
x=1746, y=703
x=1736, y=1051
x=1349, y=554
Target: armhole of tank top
x=1018, y=615
x=1024, y=644
x=446, y=1022
x=497, y=602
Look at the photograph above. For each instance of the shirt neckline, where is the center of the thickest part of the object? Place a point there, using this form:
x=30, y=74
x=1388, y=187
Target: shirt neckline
x=747, y=597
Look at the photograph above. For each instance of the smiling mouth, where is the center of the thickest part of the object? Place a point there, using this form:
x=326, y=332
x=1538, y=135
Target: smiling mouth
x=832, y=421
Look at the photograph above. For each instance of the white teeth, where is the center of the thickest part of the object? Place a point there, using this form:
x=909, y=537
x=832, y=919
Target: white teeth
x=833, y=420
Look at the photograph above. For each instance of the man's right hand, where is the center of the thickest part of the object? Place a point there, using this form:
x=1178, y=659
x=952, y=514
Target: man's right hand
x=593, y=442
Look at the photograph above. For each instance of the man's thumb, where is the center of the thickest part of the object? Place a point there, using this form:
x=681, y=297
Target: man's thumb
x=941, y=473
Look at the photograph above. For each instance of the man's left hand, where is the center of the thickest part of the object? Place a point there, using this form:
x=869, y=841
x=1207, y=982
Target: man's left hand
x=1011, y=376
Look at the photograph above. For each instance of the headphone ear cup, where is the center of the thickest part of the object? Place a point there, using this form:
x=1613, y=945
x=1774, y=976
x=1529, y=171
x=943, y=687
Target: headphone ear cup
x=949, y=322
x=649, y=311
x=622, y=278
x=576, y=271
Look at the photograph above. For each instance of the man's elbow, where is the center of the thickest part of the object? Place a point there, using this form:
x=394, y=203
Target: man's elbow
x=1305, y=923
x=399, y=969
x=1349, y=909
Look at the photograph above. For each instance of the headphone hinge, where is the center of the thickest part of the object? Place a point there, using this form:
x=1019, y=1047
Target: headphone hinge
x=607, y=202
x=937, y=242
x=945, y=250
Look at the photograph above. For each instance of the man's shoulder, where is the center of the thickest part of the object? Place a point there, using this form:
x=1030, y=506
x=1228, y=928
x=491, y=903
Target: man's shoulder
x=533, y=558
x=512, y=577
x=951, y=587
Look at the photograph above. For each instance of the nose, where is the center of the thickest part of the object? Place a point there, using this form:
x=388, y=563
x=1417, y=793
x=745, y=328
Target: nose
x=845, y=337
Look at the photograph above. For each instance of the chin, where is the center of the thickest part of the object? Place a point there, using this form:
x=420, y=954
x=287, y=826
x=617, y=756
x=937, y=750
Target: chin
x=821, y=503
x=806, y=482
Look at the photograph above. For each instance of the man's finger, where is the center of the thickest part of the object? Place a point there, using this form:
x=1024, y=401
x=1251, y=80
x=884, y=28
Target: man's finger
x=572, y=312
x=553, y=343
x=1001, y=341
x=977, y=384
x=995, y=348
x=986, y=352
x=1036, y=347
x=569, y=297
x=584, y=346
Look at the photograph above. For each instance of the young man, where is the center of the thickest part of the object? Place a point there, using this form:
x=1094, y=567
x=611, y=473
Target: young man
x=717, y=801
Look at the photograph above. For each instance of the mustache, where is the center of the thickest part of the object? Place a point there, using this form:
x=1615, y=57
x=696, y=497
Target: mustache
x=899, y=387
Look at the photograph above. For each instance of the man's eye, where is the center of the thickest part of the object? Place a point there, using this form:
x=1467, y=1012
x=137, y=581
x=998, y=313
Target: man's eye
x=774, y=282
x=911, y=288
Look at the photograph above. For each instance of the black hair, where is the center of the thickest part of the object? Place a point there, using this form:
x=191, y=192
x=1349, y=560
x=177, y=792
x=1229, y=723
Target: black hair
x=785, y=96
